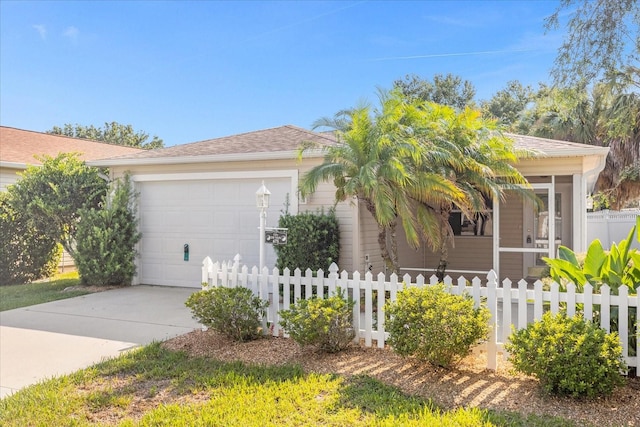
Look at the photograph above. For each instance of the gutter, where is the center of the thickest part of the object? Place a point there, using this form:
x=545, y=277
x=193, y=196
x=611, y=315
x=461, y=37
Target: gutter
x=14, y=165
x=212, y=158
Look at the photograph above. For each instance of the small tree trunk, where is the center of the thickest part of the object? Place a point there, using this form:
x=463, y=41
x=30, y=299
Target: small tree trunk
x=395, y=263
x=382, y=239
x=384, y=251
x=445, y=234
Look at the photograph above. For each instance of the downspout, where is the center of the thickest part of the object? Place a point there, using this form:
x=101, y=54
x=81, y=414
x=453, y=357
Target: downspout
x=587, y=185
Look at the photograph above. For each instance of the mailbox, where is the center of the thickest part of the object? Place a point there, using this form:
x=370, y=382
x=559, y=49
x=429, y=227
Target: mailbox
x=276, y=236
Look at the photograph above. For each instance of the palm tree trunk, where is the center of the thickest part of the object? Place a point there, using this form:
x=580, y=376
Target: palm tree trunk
x=390, y=259
x=395, y=263
x=623, y=158
x=445, y=234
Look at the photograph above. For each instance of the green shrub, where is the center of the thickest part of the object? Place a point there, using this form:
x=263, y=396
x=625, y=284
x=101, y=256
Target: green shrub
x=433, y=325
x=313, y=241
x=25, y=253
x=618, y=266
x=323, y=322
x=106, y=239
x=234, y=312
x=570, y=356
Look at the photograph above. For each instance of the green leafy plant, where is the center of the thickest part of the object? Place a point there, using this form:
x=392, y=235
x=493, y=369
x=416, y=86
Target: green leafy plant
x=25, y=253
x=106, y=239
x=234, y=312
x=313, y=241
x=323, y=322
x=435, y=326
x=619, y=266
x=52, y=195
x=570, y=356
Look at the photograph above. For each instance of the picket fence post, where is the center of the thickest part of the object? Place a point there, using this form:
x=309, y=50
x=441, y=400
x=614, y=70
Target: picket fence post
x=492, y=303
x=207, y=273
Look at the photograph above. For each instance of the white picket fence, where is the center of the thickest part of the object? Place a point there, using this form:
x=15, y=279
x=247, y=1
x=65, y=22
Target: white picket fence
x=509, y=303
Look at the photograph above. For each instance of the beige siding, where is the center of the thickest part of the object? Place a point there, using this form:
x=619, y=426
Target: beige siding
x=324, y=196
x=472, y=253
x=7, y=177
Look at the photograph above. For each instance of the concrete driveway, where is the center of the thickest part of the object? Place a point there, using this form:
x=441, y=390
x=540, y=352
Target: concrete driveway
x=60, y=337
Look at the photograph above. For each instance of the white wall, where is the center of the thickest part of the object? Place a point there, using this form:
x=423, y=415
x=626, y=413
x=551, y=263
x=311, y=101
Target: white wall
x=611, y=226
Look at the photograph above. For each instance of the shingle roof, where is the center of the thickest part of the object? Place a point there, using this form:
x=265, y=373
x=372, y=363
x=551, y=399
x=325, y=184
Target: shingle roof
x=19, y=146
x=283, y=138
x=281, y=141
x=554, y=147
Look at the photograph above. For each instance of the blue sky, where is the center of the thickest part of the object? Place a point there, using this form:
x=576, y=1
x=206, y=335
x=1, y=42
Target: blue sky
x=189, y=71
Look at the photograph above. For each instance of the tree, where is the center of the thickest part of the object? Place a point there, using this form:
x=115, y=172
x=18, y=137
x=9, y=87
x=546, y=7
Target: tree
x=106, y=238
x=479, y=162
x=446, y=90
x=51, y=196
x=112, y=133
x=379, y=160
x=25, y=254
x=607, y=115
x=603, y=36
x=414, y=161
x=507, y=104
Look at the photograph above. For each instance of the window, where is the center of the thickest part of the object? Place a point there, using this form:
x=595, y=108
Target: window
x=480, y=225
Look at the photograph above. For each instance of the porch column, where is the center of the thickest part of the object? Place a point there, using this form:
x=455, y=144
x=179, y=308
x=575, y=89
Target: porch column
x=496, y=235
x=579, y=214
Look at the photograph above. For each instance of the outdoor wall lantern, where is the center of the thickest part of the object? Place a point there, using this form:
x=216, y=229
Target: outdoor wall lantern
x=262, y=203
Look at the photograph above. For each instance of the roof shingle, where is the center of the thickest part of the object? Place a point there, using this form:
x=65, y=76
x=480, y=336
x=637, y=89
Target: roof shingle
x=283, y=138
x=20, y=146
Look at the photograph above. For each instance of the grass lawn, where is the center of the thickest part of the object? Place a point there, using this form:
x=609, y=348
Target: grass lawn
x=16, y=296
x=157, y=387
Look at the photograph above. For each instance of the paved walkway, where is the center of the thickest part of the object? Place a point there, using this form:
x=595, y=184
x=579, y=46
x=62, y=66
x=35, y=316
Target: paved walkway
x=60, y=337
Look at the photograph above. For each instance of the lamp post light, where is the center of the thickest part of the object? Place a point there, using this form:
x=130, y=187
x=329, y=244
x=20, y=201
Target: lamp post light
x=262, y=203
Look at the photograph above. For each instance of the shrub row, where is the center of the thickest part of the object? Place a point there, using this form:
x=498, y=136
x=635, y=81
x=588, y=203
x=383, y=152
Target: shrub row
x=570, y=356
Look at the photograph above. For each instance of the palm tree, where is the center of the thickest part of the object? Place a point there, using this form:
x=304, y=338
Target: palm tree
x=479, y=162
x=379, y=159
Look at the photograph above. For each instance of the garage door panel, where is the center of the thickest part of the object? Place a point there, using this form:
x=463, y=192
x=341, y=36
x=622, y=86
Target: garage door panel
x=217, y=218
x=152, y=220
x=150, y=245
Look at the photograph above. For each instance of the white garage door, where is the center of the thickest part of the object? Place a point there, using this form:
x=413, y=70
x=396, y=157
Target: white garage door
x=216, y=218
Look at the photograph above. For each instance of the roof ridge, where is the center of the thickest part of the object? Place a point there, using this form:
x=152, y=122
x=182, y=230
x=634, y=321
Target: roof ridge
x=288, y=126
x=314, y=133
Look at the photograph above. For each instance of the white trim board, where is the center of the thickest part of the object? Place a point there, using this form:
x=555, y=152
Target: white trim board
x=292, y=174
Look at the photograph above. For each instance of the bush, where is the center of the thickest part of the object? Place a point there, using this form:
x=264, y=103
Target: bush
x=234, y=312
x=25, y=253
x=570, y=356
x=323, y=322
x=313, y=241
x=433, y=325
x=106, y=239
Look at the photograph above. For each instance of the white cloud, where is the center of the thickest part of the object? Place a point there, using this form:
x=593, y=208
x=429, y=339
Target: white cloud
x=42, y=30
x=72, y=33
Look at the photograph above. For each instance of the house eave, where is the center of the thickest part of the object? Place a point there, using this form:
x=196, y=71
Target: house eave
x=215, y=158
x=12, y=165
x=595, y=151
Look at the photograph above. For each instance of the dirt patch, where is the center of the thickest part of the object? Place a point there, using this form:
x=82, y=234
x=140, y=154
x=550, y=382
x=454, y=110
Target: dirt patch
x=468, y=384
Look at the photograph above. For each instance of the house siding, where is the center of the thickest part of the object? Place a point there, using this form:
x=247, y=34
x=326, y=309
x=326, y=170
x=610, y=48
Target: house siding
x=322, y=198
x=8, y=177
